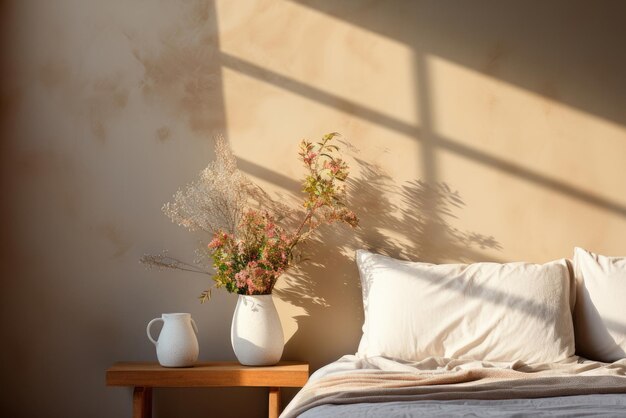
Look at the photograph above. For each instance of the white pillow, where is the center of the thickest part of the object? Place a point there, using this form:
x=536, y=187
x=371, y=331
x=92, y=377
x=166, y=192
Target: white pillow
x=600, y=311
x=483, y=311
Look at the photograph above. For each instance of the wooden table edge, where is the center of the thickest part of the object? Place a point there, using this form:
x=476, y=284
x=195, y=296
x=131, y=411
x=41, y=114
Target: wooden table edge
x=144, y=376
x=225, y=374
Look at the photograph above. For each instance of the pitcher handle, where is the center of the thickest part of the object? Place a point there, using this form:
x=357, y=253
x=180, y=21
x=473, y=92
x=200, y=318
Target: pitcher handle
x=195, y=328
x=148, y=329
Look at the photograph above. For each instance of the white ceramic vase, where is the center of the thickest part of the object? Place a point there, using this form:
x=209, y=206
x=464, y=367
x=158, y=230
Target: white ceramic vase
x=177, y=345
x=256, y=332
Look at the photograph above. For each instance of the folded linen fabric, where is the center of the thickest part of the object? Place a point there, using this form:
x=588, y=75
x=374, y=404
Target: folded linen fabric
x=600, y=310
x=353, y=380
x=483, y=311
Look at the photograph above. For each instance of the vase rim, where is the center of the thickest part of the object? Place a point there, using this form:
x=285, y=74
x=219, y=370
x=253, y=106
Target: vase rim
x=257, y=296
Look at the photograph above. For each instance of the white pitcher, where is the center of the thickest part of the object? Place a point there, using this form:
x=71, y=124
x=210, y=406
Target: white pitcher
x=177, y=345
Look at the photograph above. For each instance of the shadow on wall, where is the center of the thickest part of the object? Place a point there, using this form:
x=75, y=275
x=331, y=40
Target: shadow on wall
x=586, y=73
x=407, y=221
x=570, y=51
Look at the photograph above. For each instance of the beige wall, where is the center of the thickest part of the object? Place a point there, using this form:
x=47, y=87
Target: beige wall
x=482, y=131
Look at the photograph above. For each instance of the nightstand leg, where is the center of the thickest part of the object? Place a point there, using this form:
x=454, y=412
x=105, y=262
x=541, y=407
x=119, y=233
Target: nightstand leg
x=142, y=402
x=274, y=403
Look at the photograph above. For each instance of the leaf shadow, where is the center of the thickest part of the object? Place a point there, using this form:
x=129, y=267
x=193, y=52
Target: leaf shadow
x=413, y=220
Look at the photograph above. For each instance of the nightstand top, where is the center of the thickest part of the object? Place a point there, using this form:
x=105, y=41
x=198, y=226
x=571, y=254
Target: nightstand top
x=208, y=374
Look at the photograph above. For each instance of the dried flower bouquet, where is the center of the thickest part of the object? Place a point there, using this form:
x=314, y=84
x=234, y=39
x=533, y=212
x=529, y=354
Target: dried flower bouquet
x=251, y=248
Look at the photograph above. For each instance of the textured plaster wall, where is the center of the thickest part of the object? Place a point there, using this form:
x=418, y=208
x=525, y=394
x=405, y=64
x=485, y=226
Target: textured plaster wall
x=481, y=131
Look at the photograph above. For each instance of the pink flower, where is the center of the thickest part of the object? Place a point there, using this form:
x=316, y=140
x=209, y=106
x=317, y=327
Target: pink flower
x=219, y=239
x=241, y=278
x=308, y=159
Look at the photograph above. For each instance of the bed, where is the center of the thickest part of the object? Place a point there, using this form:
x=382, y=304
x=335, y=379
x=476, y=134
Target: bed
x=480, y=340
x=380, y=387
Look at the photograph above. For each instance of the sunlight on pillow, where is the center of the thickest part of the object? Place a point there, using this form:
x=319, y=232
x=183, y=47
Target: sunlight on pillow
x=483, y=311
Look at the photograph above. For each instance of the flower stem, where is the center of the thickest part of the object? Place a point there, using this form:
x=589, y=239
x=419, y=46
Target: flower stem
x=308, y=216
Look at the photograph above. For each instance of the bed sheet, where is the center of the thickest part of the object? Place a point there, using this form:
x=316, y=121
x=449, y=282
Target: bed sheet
x=438, y=387
x=563, y=406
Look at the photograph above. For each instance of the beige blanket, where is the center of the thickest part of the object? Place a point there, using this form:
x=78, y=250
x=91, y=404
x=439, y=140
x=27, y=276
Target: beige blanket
x=353, y=380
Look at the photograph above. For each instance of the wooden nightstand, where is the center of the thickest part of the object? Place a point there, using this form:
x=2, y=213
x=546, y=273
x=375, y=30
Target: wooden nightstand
x=144, y=376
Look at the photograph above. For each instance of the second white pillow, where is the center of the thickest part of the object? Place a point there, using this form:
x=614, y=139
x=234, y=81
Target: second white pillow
x=600, y=312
